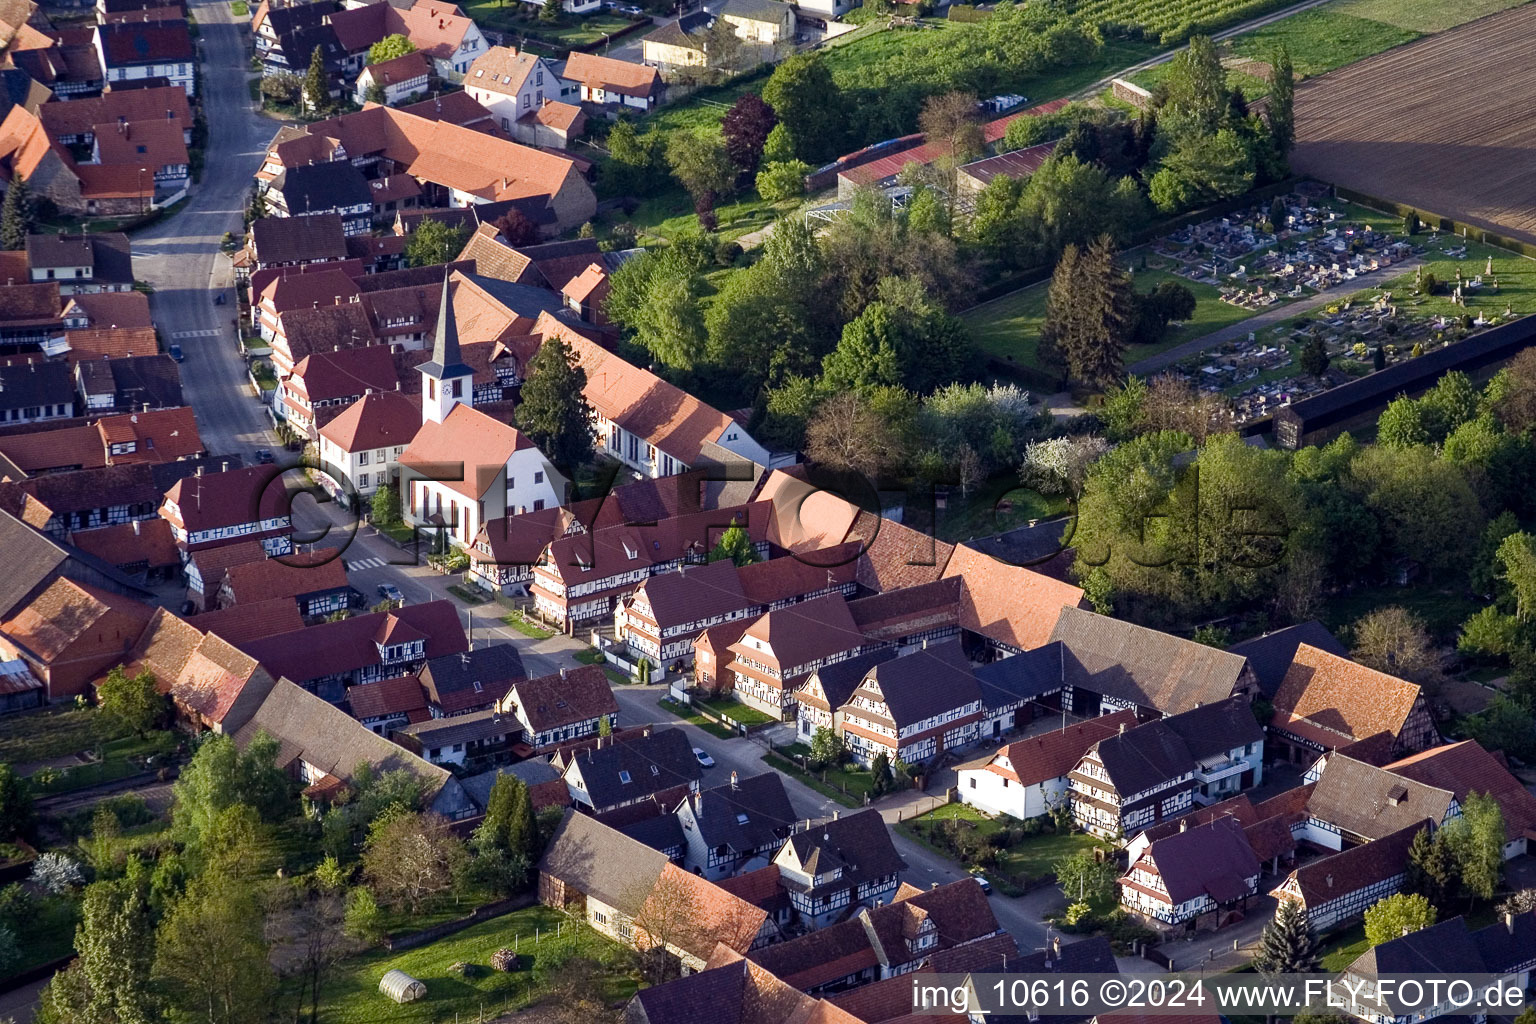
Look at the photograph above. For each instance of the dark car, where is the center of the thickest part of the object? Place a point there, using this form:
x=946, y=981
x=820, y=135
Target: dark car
x=264, y=457
x=175, y=353
x=391, y=593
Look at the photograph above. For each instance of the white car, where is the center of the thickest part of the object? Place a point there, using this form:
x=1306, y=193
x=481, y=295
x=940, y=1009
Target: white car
x=705, y=761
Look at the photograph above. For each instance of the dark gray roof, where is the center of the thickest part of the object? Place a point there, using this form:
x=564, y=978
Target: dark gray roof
x=133, y=381
x=925, y=683
x=297, y=47
x=522, y=299
x=762, y=10
x=688, y=31
x=599, y=861
x=1509, y=944
x=296, y=16
x=30, y=560
x=23, y=385
x=1270, y=655
x=1373, y=802
x=661, y=832
x=1139, y=759
x=107, y=254
x=446, y=361
x=314, y=237
x=714, y=996
x=1445, y=949
x=653, y=764
x=1086, y=956
x=1144, y=666
x=746, y=815
x=323, y=187
x=1023, y=676
x=859, y=844
x=494, y=668
x=532, y=772
x=475, y=726
x=839, y=679
x=1214, y=859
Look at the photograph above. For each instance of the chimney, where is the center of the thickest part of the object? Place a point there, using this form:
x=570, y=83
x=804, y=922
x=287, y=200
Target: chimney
x=223, y=467
x=1122, y=728
x=1328, y=881
x=199, y=470
x=835, y=814
x=933, y=885
x=1055, y=946
x=1183, y=824
x=646, y=731
x=1509, y=922
x=136, y=533
x=562, y=672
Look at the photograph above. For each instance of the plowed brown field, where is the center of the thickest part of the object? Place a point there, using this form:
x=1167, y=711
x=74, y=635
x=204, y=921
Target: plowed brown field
x=1446, y=124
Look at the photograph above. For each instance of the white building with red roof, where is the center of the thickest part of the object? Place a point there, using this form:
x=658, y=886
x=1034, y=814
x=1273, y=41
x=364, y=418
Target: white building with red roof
x=1028, y=777
x=400, y=79
x=364, y=444
x=511, y=84
x=214, y=509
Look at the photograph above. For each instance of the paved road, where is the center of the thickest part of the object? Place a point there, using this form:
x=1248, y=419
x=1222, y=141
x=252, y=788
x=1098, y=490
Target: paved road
x=1269, y=317
x=181, y=253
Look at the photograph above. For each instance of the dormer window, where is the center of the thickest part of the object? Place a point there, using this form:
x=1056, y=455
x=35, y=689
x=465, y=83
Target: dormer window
x=741, y=818
x=624, y=778
x=478, y=687
x=655, y=770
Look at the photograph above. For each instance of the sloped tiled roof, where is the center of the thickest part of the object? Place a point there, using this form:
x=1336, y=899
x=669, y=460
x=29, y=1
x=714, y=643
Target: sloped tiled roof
x=288, y=577
x=221, y=682
x=1270, y=655
x=808, y=631
x=1466, y=767
x=1142, y=757
x=895, y=556
x=1333, y=877
x=381, y=420
x=400, y=695
x=130, y=543
x=565, y=698
x=1008, y=603
x=1372, y=802
x=1051, y=755
x=252, y=620
x=69, y=612
x=1340, y=699
x=469, y=438
x=314, y=237
x=1213, y=859
x=612, y=75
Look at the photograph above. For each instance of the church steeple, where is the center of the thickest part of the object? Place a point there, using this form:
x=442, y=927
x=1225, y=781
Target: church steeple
x=446, y=381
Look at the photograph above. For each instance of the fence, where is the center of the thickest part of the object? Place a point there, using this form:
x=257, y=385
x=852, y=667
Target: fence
x=484, y=912
x=615, y=654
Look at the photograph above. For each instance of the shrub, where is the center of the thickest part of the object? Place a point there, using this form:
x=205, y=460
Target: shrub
x=1078, y=915
x=505, y=960
x=465, y=970
x=57, y=874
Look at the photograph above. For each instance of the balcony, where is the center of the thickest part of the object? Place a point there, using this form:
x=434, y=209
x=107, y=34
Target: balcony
x=1216, y=770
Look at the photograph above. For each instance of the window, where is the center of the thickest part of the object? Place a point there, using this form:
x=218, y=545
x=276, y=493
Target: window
x=526, y=100
x=458, y=387
x=655, y=770
x=458, y=748
x=362, y=458
x=362, y=479
x=538, y=504
x=431, y=389
x=538, y=476
x=624, y=778
x=378, y=456
x=973, y=782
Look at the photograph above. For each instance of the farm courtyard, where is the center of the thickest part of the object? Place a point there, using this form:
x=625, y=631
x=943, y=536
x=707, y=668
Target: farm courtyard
x=1442, y=124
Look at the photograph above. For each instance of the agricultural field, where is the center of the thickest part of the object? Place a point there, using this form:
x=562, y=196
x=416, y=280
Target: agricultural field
x=1442, y=125
x=1322, y=39
x=1424, y=16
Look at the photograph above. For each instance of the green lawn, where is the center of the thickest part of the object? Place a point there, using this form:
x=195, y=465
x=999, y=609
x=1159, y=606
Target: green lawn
x=52, y=732
x=1516, y=274
x=1033, y=857
x=1342, y=948
x=1443, y=611
x=694, y=718
x=515, y=621
x=570, y=30
x=1322, y=39
x=120, y=759
x=467, y=594
x=737, y=712
x=847, y=784
x=668, y=214
x=239, y=8
x=980, y=514
x=1008, y=327
x=589, y=656
x=354, y=997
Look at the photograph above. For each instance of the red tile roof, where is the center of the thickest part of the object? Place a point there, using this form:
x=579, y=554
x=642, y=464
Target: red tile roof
x=111, y=343
x=55, y=449
x=1051, y=755
x=1466, y=767
x=1008, y=603
x=68, y=613
x=343, y=373
x=1338, y=700
x=231, y=498
x=612, y=75
x=563, y=698
x=131, y=543
x=288, y=577
x=159, y=435
x=381, y=420
x=895, y=556
x=114, y=309
x=805, y=518
x=466, y=437
x=251, y=620
x=398, y=696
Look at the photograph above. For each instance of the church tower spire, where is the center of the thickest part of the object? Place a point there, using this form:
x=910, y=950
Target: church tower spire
x=445, y=380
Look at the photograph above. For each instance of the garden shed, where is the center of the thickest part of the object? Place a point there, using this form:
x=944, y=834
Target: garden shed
x=401, y=987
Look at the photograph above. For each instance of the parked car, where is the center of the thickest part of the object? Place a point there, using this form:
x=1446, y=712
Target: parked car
x=175, y=353
x=264, y=457
x=705, y=761
x=391, y=593
x=981, y=880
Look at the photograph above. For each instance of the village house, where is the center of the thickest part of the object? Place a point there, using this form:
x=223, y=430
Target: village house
x=76, y=188
x=389, y=703
x=329, y=657
x=658, y=765
x=581, y=578
x=316, y=582
x=213, y=509
x=607, y=80
x=778, y=651
x=911, y=616
x=136, y=50
x=683, y=43
x=1028, y=777
x=1505, y=949
x=1465, y=767
x=1270, y=655
x=402, y=79
x=460, y=741
x=71, y=633
x=506, y=550
x=735, y=828
x=128, y=384
x=323, y=383
x=567, y=705
x=1006, y=609
x=1326, y=702
x=887, y=941
x=1110, y=664
x=1268, y=826
x=322, y=747
x=106, y=310
x=913, y=708
x=514, y=86
x=1354, y=803
x=82, y=263
x=635, y=896
x=440, y=31
x=835, y=865
x=470, y=681
x=36, y=392
x=142, y=550
x=333, y=187
x=765, y=24
x=1339, y=888
x=1145, y=774
x=731, y=990
x=1208, y=869
x=364, y=442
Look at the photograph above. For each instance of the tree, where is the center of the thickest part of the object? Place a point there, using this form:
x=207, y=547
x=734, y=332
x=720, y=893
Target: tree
x=778, y=148
x=783, y=180
x=363, y=920
x=1475, y=842
x=375, y=94
x=1202, y=168
x=1084, y=879
x=722, y=46
x=212, y=955
x=1287, y=947
x=554, y=411
x=735, y=544
x=17, y=219
x=220, y=775
x=1424, y=505
x=134, y=702
x=667, y=907
x=386, y=507
x=1281, y=109
x=1430, y=871
x=951, y=125
x=635, y=161
x=1170, y=301
x=1196, y=83
x=1401, y=424
x=517, y=229
x=317, y=84
x=1059, y=465
x=865, y=433
x=1398, y=915
x=522, y=829
x=550, y=11
x=434, y=243
x=746, y=127
x=1088, y=314
x=1515, y=404
x=390, y=47
x=308, y=925
x=880, y=775
x=1517, y=560
x=1396, y=641
x=116, y=943
x=826, y=748
x=1314, y=356
x=56, y=874
x=15, y=805
x=809, y=105
x=410, y=858
x=283, y=87
x=703, y=166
